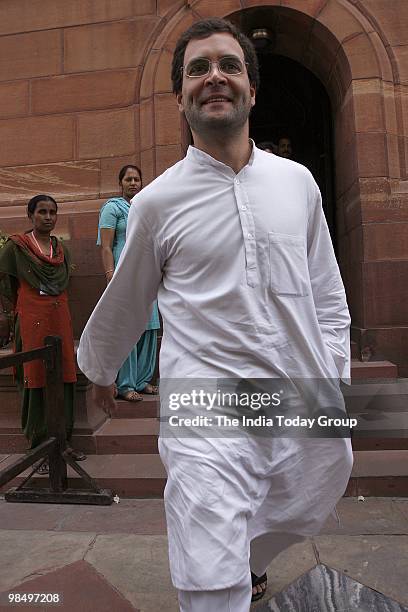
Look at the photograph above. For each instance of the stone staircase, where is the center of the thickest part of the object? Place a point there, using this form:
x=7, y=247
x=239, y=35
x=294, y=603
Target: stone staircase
x=122, y=452
x=123, y=456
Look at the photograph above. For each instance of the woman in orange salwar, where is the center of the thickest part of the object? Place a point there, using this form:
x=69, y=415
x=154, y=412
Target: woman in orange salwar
x=34, y=275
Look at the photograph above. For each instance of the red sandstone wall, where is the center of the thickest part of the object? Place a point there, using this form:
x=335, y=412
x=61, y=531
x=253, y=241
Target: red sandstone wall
x=69, y=94
x=85, y=88
x=69, y=115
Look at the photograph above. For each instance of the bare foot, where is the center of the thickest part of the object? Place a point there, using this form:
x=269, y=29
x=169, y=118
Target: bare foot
x=259, y=584
x=259, y=588
x=150, y=389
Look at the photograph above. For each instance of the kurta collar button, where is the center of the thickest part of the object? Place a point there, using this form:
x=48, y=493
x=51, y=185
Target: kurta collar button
x=250, y=236
x=244, y=208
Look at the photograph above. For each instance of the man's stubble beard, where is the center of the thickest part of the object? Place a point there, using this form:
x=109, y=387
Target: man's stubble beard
x=223, y=125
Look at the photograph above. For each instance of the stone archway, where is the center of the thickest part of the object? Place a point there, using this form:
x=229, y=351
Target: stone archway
x=343, y=46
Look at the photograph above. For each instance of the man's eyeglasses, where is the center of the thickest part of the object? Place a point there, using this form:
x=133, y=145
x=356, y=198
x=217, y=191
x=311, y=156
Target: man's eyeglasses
x=201, y=66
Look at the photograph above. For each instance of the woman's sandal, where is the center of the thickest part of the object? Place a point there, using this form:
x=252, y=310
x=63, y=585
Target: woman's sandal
x=258, y=580
x=150, y=389
x=131, y=396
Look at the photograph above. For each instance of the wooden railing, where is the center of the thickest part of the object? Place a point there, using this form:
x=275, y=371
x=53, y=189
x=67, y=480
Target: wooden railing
x=55, y=445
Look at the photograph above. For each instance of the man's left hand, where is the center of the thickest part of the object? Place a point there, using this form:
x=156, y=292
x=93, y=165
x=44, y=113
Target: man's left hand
x=104, y=397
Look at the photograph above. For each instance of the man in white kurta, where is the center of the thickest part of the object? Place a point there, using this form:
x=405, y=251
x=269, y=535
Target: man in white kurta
x=234, y=243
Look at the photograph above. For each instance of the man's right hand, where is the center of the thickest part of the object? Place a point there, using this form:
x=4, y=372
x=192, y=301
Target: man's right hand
x=104, y=398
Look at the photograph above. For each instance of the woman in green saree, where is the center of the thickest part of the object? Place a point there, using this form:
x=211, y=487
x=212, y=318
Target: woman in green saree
x=34, y=275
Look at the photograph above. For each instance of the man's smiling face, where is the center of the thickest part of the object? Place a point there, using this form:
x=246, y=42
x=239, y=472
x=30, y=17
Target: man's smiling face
x=217, y=101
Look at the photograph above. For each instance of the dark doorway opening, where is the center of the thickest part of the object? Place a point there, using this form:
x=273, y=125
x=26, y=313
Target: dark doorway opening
x=292, y=102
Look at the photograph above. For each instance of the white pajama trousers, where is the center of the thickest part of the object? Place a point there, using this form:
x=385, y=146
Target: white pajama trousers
x=238, y=597
x=234, y=505
x=235, y=599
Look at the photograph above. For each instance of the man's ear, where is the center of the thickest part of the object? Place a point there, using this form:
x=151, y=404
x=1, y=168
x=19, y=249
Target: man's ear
x=179, y=98
x=252, y=92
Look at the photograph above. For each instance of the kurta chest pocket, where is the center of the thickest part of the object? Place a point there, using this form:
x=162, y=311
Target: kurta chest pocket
x=289, y=274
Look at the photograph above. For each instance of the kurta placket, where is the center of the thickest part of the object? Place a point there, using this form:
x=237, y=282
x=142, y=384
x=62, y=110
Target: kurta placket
x=248, y=228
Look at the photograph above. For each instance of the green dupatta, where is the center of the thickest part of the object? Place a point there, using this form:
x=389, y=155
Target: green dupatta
x=21, y=260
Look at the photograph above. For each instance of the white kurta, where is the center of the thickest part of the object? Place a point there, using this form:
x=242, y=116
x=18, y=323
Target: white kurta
x=248, y=287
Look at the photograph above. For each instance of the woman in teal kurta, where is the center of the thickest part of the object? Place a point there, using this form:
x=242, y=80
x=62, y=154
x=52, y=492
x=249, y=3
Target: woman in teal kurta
x=137, y=371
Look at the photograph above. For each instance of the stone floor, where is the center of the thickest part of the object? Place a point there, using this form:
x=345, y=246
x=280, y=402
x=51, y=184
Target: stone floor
x=115, y=558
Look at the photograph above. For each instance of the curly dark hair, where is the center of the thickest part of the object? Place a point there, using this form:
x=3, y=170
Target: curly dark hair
x=204, y=29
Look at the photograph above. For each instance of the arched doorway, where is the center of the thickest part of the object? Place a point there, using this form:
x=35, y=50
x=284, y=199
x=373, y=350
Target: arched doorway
x=292, y=103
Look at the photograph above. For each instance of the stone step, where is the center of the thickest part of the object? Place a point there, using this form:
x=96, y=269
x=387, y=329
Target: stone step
x=381, y=410
x=375, y=474
x=381, y=431
x=370, y=370
x=375, y=431
x=377, y=397
x=136, y=435
x=148, y=408
x=126, y=475
x=380, y=443
x=379, y=473
x=122, y=436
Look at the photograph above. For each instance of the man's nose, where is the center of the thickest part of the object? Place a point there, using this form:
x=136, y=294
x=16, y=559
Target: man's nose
x=215, y=73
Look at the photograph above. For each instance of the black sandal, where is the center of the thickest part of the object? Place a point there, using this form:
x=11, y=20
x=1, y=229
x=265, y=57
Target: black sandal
x=256, y=580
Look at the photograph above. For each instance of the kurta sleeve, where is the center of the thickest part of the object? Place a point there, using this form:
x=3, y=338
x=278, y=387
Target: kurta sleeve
x=328, y=289
x=108, y=216
x=121, y=315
